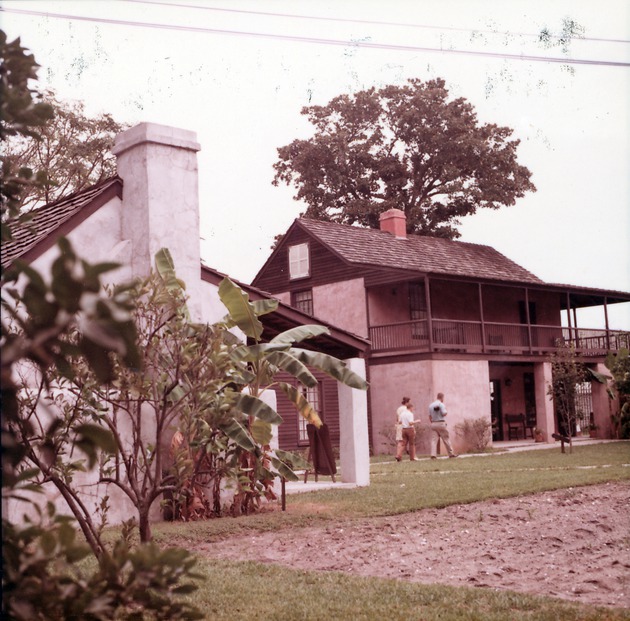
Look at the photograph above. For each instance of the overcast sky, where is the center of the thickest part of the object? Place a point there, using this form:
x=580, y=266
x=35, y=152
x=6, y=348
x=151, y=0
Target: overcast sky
x=238, y=74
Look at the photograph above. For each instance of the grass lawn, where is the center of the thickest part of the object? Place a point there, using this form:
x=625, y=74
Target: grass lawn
x=256, y=591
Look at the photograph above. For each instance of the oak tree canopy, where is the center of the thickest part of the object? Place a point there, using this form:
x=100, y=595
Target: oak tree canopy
x=410, y=147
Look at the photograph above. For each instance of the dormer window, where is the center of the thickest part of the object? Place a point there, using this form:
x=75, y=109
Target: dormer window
x=299, y=264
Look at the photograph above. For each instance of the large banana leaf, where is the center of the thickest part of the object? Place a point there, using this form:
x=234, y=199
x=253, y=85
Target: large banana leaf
x=293, y=460
x=303, y=406
x=300, y=333
x=263, y=307
x=292, y=365
x=283, y=470
x=330, y=365
x=261, y=432
x=253, y=406
x=236, y=432
x=165, y=267
x=253, y=353
x=241, y=311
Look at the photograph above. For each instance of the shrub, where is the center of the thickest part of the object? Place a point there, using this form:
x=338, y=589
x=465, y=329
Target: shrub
x=476, y=433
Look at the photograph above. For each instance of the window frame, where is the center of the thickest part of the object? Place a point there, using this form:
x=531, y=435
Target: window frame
x=302, y=260
x=313, y=394
x=300, y=303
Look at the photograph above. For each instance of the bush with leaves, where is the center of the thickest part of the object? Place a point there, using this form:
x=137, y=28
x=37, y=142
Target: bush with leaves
x=41, y=578
x=567, y=374
x=619, y=365
x=476, y=433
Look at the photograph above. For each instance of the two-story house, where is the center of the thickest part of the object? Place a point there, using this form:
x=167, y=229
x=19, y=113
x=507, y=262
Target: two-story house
x=442, y=316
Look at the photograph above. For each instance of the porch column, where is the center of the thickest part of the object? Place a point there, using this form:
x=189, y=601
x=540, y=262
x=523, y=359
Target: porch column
x=545, y=418
x=529, y=320
x=483, y=325
x=606, y=320
x=354, y=441
x=427, y=295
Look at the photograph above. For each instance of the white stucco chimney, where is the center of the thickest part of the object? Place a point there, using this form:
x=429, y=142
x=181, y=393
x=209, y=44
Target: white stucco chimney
x=160, y=205
x=394, y=221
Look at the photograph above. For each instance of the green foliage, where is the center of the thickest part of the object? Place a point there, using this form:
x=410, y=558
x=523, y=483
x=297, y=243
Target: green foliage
x=22, y=115
x=619, y=365
x=72, y=152
x=476, y=433
x=567, y=373
x=410, y=147
x=54, y=325
x=44, y=579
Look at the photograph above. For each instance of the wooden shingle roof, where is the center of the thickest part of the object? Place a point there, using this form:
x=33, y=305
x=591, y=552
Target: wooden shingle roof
x=50, y=221
x=429, y=255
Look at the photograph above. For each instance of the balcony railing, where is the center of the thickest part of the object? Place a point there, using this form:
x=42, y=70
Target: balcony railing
x=491, y=337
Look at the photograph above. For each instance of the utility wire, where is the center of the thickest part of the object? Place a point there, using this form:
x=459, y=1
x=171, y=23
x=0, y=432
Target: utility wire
x=321, y=41
x=361, y=21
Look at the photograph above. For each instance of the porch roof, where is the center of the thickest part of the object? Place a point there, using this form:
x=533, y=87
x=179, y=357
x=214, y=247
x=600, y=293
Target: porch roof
x=338, y=342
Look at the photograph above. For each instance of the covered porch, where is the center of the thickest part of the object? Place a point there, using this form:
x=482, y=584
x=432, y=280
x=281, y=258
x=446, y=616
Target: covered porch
x=480, y=317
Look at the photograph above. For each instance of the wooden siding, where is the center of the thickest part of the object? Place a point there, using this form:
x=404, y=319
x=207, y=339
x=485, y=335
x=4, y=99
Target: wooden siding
x=325, y=267
x=288, y=430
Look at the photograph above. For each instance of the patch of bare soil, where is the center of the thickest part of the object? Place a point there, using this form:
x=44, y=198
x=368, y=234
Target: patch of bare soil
x=572, y=544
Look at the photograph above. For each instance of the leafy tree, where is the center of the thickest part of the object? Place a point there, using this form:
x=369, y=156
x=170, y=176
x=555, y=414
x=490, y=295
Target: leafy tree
x=409, y=147
x=72, y=149
x=41, y=578
x=619, y=365
x=567, y=373
x=22, y=113
x=260, y=363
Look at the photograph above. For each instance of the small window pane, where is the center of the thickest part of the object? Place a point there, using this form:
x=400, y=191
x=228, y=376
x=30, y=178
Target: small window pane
x=298, y=261
x=312, y=396
x=303, y=301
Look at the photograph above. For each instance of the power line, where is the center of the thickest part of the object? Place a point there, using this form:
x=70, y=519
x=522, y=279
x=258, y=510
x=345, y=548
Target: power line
x=322, y=41
x=361, y=21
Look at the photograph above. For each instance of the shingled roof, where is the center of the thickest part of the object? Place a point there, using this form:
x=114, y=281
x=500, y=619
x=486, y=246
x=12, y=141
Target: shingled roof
x=50, y=221
x=429, y=255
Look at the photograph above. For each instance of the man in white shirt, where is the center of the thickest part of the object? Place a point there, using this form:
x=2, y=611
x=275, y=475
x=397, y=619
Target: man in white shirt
x=408, y=434
x=437, y=412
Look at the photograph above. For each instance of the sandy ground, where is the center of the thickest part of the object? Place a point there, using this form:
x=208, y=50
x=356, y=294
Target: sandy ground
x=572, y=544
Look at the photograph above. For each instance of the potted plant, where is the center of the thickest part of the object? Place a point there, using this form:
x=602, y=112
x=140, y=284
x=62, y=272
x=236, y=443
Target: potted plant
x=593, y=431
x=539, y=436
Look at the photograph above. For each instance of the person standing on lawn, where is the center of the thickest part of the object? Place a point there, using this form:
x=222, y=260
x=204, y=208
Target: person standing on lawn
x=437, y=412
x=401, y=408
x=408, y=433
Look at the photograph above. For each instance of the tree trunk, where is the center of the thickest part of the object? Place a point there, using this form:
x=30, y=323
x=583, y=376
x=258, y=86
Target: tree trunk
x=144, y=525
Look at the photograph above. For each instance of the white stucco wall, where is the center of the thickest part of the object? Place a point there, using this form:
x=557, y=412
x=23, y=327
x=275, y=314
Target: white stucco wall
x=329, y=303
x=464, y=383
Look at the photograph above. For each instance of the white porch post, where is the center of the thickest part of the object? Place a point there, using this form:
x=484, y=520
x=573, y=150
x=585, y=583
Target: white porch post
x=545, y=418
x=353, y=430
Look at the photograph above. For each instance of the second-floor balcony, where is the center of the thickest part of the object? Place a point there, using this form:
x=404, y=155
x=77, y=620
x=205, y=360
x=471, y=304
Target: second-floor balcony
x=474, y=337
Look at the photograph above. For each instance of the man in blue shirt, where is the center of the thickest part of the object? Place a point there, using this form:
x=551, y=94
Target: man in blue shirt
x=437, y=412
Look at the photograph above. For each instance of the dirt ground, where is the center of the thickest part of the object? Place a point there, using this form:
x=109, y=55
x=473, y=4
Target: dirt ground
x=572, y=544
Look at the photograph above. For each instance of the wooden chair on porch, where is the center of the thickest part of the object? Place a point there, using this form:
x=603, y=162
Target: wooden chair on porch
x=516, y=426
x=320, y=453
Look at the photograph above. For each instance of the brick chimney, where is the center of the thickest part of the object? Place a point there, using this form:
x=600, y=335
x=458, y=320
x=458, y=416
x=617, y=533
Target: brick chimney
x=160, y=206
x=394, y=221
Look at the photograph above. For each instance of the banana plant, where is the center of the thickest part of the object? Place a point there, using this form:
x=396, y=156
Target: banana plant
x=261, y=362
